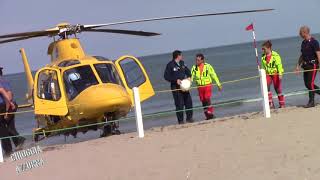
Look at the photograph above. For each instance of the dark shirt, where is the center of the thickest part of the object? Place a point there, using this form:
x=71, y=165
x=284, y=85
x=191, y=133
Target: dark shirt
x=175, y=71
x=309, y=49
x=5, y=85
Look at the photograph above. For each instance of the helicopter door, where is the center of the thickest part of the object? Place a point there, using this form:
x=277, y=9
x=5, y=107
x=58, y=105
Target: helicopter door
x=133, y=74
x=49, y=99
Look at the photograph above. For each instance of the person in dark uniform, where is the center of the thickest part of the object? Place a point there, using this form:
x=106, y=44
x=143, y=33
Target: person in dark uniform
x=5, y=143
x=309, y=61
x=5, y=105
x=174, y=73
x=9, y=118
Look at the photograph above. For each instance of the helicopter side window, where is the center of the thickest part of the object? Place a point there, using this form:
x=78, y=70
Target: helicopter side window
x=48, y=86
x=108, y=73
x=78, y=79
x=133, y=73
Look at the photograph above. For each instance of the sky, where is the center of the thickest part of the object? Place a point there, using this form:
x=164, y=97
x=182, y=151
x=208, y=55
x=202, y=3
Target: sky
x=202, y=32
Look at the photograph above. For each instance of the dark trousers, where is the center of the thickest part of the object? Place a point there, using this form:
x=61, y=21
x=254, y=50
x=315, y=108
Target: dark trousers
x=182, y=100
x=309, y=77
x=10, y=122
x=6, y=143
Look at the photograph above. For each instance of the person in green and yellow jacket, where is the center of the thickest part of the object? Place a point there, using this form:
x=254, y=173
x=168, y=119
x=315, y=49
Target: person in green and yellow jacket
x=271, y=62
x=203, y=75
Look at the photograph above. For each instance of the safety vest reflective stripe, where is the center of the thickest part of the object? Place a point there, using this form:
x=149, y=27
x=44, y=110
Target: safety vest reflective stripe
x=207, y=76
x=274, y=66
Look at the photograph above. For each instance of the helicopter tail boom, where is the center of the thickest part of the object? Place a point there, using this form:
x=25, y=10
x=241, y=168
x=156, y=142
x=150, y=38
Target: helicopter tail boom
x=28, y=74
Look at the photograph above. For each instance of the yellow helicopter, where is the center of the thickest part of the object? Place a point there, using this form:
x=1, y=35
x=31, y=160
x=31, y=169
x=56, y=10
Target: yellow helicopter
x=76, y=89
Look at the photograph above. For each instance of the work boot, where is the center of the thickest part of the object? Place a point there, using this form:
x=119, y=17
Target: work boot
x=180, y=122
x=281, y=101
x=310, y=104
x=190, y=120
x=21, y=143
x=210, y=116
x=7, y=154
x=271, y=104
x=311, y=100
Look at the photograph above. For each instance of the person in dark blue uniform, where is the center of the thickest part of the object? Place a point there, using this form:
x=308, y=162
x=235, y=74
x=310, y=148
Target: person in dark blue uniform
x=7, y=124
x=174, y=73
x=10, y=118
x=309, y=61
x=5, y=105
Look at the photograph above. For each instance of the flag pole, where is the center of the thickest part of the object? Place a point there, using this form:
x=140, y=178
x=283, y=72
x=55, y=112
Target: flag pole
x=263, y=79
x=251, y=28
x=255, y=47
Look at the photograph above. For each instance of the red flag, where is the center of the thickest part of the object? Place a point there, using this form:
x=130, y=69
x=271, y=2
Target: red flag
x=250, y=27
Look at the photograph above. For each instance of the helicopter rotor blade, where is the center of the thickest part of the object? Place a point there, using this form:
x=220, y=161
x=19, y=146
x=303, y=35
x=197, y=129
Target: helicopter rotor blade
x=68, y=29
x=20, y=38
x=120, y=31
x=172, y=17
x=32, y=33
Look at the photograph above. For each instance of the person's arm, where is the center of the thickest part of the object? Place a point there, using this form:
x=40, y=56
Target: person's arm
x=317, y=50
x=7, y=100
x=188, y=72
x=8, y=88
x=318, y=55
x=279, y=66
x=10, y=95
x=214, y=76
x=168, y=76
x=192, y=72
x=300, y=60
x=263, y=63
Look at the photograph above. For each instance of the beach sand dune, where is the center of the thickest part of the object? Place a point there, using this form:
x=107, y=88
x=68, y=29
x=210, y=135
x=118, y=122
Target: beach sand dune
x=244, y=147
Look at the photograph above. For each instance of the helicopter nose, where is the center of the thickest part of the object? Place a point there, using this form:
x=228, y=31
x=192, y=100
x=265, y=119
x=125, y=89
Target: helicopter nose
x=103, y=98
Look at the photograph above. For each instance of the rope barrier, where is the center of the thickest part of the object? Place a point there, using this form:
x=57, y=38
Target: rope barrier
x=159, y=114
x=162, y=91
x=299, y=92
x=226, y=82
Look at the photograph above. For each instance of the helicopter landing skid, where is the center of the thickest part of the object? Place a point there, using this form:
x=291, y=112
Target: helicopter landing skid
x=111, y=128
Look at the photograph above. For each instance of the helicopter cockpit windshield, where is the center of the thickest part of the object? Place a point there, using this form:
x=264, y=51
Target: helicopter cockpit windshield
x=78, y=79
x=108, y=73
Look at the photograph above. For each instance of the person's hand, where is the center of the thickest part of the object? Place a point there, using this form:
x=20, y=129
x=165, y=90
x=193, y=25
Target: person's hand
x=6, y=116
x=280, y=77
x=296, y=70
x=178, y=81
x=12, y=105
x=220, y=88
x=8, y=106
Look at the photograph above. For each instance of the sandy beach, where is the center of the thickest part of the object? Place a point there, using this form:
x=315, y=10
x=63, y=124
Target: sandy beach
x=242, y=147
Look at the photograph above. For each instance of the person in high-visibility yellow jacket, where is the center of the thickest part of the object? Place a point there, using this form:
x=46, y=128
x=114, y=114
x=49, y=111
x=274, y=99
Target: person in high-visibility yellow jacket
x=271, y=62
x=203, y=75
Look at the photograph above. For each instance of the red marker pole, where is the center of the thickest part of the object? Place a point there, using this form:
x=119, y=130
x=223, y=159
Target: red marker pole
x=263, y=78
x=251, y=28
